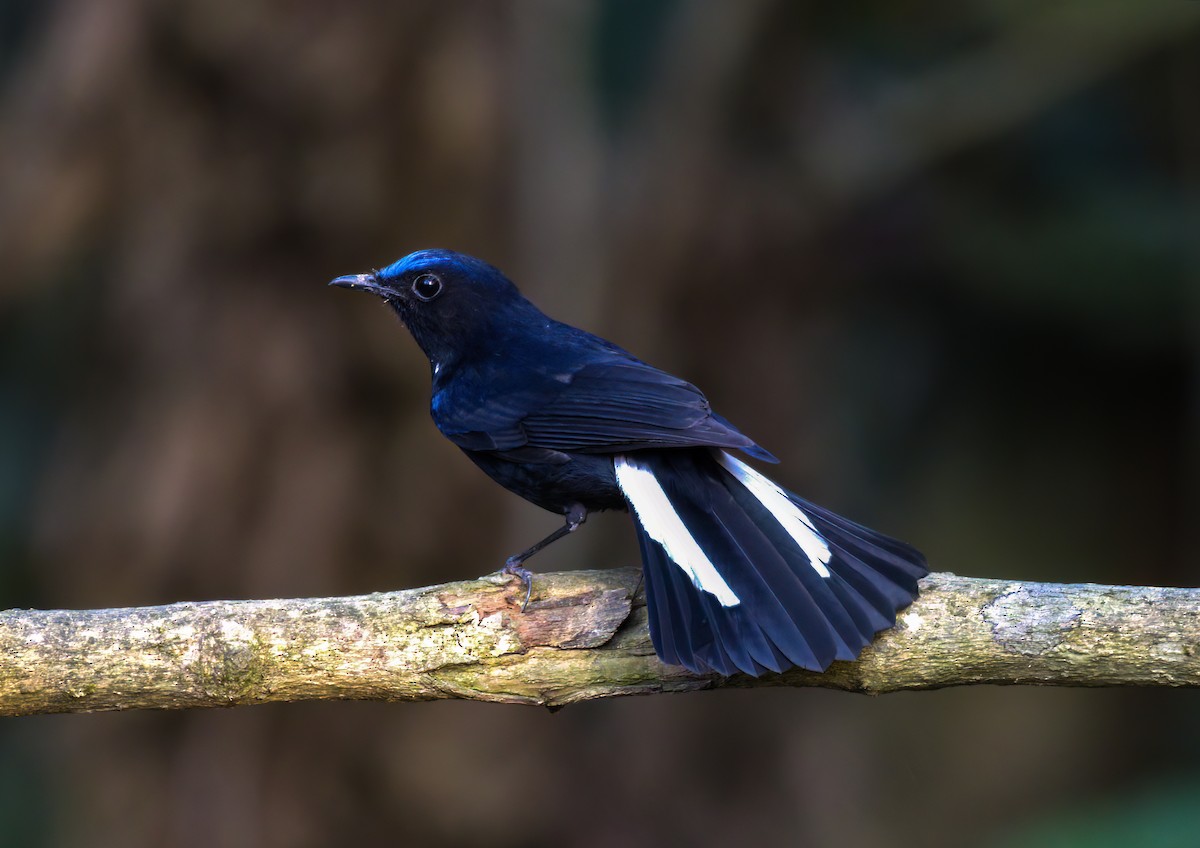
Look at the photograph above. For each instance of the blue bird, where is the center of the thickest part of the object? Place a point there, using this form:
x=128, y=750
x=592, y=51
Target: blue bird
x=741, y=575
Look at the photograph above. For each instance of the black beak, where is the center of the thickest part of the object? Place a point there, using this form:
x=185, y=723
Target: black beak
x=361, y=282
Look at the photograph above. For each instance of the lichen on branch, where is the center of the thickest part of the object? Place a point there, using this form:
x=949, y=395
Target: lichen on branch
x=584, y=636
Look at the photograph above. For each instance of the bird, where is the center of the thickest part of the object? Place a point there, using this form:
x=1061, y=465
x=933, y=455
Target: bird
x=740, y=574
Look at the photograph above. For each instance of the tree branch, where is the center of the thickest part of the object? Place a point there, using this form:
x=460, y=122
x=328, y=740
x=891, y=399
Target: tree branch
x=583, y=637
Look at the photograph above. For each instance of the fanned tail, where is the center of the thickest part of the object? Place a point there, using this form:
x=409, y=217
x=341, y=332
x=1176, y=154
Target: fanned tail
x=742, y=575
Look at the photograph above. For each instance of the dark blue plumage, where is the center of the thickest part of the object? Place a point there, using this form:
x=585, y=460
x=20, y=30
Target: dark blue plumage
x=741, y=575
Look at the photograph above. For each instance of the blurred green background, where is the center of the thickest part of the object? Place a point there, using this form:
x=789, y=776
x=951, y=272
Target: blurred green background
x=943, y=259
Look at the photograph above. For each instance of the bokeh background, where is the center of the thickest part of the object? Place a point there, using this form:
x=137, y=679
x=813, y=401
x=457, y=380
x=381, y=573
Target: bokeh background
x=943, y=258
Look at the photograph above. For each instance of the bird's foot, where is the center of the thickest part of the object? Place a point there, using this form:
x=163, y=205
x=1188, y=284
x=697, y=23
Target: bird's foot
x=513, y=566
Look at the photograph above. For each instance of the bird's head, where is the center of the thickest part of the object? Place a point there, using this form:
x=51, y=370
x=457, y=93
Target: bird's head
x=449, y=301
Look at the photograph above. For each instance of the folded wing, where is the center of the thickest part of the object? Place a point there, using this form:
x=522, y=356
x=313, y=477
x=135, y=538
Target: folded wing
x=610, y=406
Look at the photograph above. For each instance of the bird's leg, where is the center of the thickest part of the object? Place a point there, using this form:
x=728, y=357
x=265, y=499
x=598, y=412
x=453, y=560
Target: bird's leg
x=576, y=515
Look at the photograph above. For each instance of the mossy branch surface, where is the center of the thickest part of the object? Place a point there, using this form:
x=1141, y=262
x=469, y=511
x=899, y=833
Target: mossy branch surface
x=584, y=636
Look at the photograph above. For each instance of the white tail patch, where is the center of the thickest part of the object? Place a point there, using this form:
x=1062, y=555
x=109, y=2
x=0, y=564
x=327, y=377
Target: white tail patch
x=794, y=520
x=663, y=524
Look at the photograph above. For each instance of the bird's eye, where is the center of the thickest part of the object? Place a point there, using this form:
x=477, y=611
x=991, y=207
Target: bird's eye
x=427, y=287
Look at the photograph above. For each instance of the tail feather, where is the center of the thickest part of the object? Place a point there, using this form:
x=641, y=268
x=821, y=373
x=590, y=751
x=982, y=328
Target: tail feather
x=720, y=641
x=665, y=617
x=744, y=576
x=771, y=600
x=772, y=606
x=867, y=618
x=798, y=574
x=900, y=560
x=874, y=584
x=762, y=617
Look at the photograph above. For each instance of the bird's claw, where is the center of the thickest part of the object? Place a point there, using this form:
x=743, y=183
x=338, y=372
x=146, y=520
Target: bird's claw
x=513, y=566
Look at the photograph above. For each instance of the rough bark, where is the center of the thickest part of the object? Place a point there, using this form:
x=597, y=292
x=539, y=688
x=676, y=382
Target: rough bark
x=584, y=636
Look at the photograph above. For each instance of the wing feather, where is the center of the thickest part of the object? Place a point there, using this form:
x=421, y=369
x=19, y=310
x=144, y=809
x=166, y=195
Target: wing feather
x=613, y=405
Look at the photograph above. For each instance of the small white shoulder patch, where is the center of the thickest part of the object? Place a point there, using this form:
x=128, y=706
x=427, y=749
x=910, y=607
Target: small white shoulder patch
x=663, y=524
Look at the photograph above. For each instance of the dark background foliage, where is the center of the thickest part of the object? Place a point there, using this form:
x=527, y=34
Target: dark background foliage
x=941, y=258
